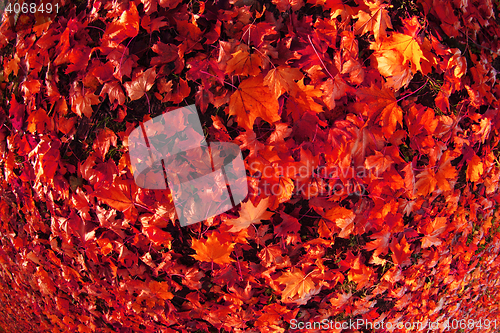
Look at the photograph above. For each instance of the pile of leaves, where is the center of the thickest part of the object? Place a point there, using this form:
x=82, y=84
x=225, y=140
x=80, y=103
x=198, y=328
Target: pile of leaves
x=388, y=110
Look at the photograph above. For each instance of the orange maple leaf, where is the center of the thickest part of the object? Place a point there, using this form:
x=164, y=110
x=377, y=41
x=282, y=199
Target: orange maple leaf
x=114, y=91
x=380, y=243
x=361, y=274
x=250, y=214
x=212, y=250
x=282, y=79
x=11, y=65
x=406, y=45
x=433, y=230
x=335, y=89
x=379, y=162
x=83, y=104
x=253, y=99
x=38, y=121
x=376, y=20
x=299, y=287
x=426, y=182
x=244, y=63
x=119, y=196
x=409, y=180
x=446, y=172
x=381, y=104
x=124, y=27
x=340, y=300
x=343, y=218
x=157, y=236
x=304, y=101
x=160, y=289
x=105, y=245
x=400, y=252
x=391, y=65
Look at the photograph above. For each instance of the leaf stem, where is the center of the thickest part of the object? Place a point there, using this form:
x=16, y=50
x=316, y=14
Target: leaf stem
x=264, y=55
x=126, y=47
x=305, y=214
x=239, y=267
x=225, y=82
x=317, y=54
x=149, y=104
x=91, y=26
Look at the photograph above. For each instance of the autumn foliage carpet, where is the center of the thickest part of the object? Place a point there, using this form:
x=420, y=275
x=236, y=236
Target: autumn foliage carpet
x=370, y=132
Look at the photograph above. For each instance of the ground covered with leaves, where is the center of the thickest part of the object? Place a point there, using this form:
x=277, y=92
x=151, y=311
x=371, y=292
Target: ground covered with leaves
x=370, y=137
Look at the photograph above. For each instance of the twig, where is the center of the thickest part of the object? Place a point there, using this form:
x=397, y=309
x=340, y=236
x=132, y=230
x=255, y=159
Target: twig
x=317, y=54
x=407, y=95
x=225, y=82
x=126, y=47
x=264, y=55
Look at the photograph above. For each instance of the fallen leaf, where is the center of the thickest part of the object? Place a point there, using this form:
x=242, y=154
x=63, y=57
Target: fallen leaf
x=211, y=250
x=104, y=139
x=474, y=169
x=253, y=99
x=376, y=19
x=83, y=104
x=391, y=65
x=244, y=63
x=407, y=46
x=160, y=289
x=140, y=84
x=282, y=79
x=381, y=105
x=250, y=214
x=299, y=288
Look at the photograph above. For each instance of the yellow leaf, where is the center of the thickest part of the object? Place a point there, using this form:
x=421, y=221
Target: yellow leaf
x=407, y=46
x=299, y=287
